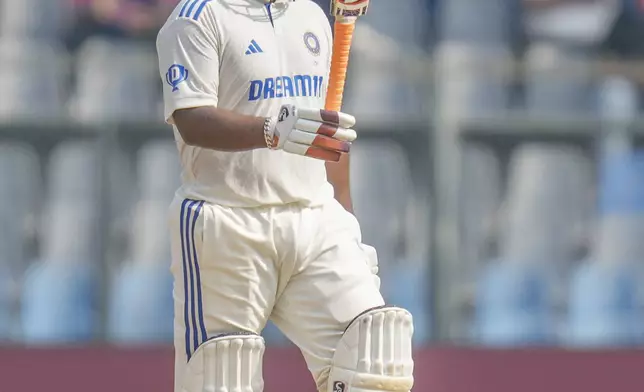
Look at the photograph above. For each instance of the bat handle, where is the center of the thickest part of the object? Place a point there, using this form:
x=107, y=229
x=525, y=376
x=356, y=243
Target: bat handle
x=339, y=62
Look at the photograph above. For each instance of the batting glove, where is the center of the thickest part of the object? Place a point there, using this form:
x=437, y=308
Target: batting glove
x=315, y=133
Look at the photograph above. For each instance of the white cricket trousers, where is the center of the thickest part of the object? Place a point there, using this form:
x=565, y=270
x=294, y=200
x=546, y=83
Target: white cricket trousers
x=235, y=268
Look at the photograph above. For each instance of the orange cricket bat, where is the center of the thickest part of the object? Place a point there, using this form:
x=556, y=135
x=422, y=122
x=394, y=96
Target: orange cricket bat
x=346, y=12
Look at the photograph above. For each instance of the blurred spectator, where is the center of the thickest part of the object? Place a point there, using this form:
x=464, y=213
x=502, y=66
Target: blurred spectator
x=428, y=8
x=131, y=19
x=564, y=37
x=579, y=23
x=625, y=39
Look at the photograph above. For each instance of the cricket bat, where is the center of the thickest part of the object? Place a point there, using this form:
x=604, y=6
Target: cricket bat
x=346, y=12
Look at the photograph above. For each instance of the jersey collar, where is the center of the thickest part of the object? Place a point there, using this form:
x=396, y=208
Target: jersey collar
x=275, y=1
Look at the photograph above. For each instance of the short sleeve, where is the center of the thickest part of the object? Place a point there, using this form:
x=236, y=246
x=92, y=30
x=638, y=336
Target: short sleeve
x=189, y=66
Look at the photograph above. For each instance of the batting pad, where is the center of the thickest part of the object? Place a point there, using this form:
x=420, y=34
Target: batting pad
x=227, y=363
x=374, y=353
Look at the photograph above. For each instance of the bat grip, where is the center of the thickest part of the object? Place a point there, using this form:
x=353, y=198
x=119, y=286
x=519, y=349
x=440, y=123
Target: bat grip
x=339, y=63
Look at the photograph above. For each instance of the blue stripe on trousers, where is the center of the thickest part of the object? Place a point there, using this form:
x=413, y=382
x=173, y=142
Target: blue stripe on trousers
x=191, y=303
x=198, y=276
x=190, y=316
x=186, y=297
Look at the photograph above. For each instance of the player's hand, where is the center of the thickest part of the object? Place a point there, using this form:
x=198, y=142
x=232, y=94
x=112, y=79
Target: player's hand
x=314, y=133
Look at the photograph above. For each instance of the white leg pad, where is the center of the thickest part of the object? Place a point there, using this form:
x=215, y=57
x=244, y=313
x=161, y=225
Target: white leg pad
x=375, y=353
x=226, y=363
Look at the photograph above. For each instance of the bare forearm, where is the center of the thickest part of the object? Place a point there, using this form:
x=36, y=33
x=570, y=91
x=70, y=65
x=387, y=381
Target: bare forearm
x=338, y=176
x=220, y=129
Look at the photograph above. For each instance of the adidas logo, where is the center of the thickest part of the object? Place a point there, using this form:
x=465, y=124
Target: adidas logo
x=254, y=48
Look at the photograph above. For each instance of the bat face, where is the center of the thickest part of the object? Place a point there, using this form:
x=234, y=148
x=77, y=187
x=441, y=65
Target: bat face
x=349, y=8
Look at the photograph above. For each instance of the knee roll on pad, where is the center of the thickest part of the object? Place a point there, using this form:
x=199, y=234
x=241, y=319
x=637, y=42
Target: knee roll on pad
x=375, y=353
x=226, y=363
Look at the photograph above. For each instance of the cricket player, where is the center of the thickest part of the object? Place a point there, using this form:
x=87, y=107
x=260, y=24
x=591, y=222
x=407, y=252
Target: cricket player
x=262, y=227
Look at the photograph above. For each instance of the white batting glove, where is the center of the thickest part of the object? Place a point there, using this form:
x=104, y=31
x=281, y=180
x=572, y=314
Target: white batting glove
x=315, y=133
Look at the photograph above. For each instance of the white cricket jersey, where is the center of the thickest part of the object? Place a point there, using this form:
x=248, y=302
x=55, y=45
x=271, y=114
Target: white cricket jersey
x=248, y=57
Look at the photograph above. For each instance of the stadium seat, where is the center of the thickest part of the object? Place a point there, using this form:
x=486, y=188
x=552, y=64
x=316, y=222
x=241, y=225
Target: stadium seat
x=481, y=190
x=70, y=161
x=6, y=311
x=473, y=57
x=405, y=29
x=35, y=89
x=605, y=307
x=476, y=22
x=74, y=172
x=547, y=199
x=39, y=19
x=406, y=284
x=382, y=89
x=72, y=210
x=621, y=209
x=122, y=72
x=618, y=104
x=150, y=236
x=513, y=305
x=622, y=183
x=158, y=171
x=141, y=304
x=381, y=188
x=60, y=291
x=479, y=86
x=70, y=232
x=20, y=187
x=273, y=336
x=59, y=303
x=121, y=176
x=559, y=81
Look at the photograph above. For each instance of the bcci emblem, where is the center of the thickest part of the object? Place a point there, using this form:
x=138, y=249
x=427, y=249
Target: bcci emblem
x=176, y=75
x=312, y=43
x=339, y=386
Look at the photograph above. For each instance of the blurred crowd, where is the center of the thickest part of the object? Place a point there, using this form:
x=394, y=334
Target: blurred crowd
x=126, y=19
x=584, y=30
x=548, y=248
